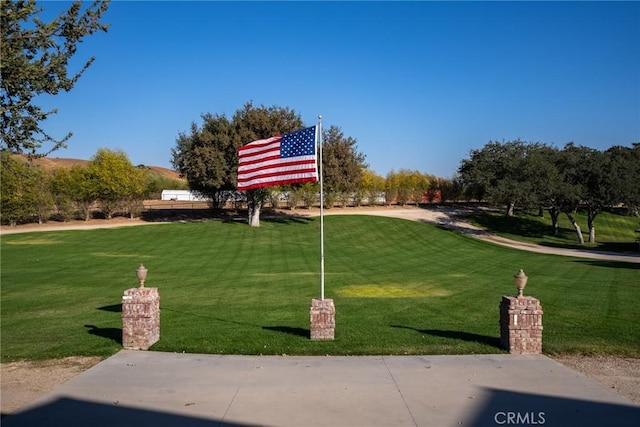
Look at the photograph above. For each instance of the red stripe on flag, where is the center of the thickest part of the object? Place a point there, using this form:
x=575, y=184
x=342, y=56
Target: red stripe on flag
x=260, y=163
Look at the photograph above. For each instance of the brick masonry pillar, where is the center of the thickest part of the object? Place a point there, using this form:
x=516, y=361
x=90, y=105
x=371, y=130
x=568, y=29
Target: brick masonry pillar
x=323, y=319
x=521, y=325
x=140, y=318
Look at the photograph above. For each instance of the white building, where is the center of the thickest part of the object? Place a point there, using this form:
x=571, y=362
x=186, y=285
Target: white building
x=182, y=196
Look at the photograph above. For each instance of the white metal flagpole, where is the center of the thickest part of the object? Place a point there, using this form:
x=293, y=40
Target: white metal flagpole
x=319, y=139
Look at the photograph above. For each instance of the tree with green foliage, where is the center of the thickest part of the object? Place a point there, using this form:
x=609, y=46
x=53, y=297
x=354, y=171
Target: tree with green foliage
x=208, y=156
x=406, y=186
x=624, y=176
x=17, y=189
x=391, y=187
x=450, y=189
x=597, y=194
x=43, y=199
x=116, y=180
x=373, y=186
x=62, y=188
x=584, y=183
x=549, y=186
x=498, y=171
x=84, y=190
x=308, y=193
x=34, y=59
x=155, y=183
x=250, y=124
x=342, y=164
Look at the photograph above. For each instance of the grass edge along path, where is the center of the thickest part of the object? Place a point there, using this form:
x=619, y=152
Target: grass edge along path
x=614, y=232
x=400, y=287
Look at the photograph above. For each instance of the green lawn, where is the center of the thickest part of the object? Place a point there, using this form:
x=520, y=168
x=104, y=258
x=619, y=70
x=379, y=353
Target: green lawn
x=400, y=287
x=614, y=230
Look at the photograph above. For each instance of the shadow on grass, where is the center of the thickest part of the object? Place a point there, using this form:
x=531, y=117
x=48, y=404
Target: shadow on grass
x=217, y=319
x=631, y=247
x=619, y=248
x=456, y=335
x=229, y=216
x=114, y=334
x=114, y=308
x=610, y=264
x=286, y=219
x=520, y=226
x=301, y=332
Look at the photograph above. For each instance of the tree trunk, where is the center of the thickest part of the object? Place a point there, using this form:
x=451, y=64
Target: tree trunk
x=255, y=199
x=591, y=218
x=254, y=214
x=554, y=214
x=510, y=208
x=576, y=227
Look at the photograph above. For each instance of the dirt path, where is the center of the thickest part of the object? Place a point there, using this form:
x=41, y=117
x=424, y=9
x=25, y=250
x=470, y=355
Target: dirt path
x=23, y=382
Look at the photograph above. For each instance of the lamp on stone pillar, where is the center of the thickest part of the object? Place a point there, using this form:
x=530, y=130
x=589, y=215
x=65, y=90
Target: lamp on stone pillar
x=141, y=273
x=520, y=280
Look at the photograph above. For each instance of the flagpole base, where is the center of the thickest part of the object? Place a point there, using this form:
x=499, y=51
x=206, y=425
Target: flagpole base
x=322, y=319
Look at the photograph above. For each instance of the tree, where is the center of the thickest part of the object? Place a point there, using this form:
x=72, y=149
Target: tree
x=84, y=190
x=252, y=123
x=308, y=193
x=43, y=199
x=342, y=164
x=373, y=185
x=407, y=186
x=62, y=188
x=207, y=158
x=624, y=176
x=26, y=190
x=571, y=164
x=17, y=189
x=391, y=187
x=498, y=172
x=34, y=61
x=116, y=179
x=597, y=191
x=450, y=189
x=549, y=190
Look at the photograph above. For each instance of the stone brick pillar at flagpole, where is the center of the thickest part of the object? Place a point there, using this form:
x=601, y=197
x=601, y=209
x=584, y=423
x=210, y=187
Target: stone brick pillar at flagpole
x=521, y=321
x=140, y=315
x=323, y=319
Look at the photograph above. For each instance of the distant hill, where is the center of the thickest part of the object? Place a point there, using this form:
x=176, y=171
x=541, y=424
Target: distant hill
x=53, y=163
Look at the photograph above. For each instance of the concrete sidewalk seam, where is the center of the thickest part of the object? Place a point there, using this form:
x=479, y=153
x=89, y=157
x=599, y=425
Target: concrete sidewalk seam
x=415, y=423
x=246, y=374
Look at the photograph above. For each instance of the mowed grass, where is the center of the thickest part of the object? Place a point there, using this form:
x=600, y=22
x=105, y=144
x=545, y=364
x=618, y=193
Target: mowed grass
x=400, y=287
x=615, y=231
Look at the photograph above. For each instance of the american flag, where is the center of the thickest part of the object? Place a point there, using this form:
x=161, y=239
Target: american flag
x=281, y=159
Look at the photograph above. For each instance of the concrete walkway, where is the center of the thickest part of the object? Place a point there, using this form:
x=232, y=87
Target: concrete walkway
x=167, y=389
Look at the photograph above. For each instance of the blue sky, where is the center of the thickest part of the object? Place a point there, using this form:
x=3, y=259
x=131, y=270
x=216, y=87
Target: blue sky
x=418, y=84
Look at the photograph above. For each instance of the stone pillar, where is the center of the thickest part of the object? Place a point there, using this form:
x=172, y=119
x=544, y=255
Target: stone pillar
x=140, y=318
x=521, y=325
x=323, y=319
